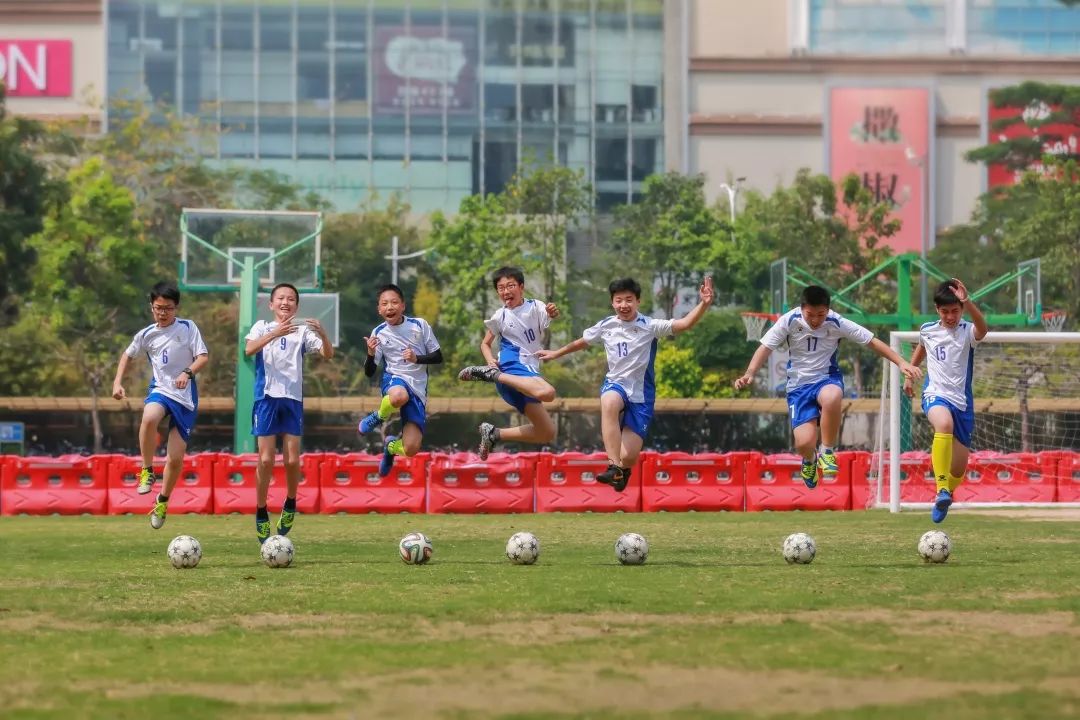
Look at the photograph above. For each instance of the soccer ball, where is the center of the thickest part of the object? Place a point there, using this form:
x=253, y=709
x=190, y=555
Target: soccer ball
x=278, y=551
x=934, y=546
x=799, y=549
x=631, y=549
x=415, y=548
x=523, y=548
x=184, y=552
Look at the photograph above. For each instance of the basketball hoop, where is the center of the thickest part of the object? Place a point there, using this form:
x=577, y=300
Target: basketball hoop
x=1054, y=320
x=755, y=323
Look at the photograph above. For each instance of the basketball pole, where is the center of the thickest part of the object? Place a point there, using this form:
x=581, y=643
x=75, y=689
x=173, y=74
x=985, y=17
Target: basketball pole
x=243, y=442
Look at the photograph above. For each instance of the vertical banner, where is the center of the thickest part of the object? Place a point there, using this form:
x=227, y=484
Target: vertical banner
x=1027, y=122
x=883, y=136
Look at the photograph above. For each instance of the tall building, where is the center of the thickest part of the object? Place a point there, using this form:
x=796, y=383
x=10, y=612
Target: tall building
x=895, y=91
x=434, y=99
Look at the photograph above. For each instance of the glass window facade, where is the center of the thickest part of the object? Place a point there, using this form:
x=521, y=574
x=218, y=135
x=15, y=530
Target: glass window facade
x=878, y=27
x=435, y=99
x=1023, y=27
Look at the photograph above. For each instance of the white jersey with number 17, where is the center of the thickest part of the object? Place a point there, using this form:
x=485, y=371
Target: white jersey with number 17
x=812, y=352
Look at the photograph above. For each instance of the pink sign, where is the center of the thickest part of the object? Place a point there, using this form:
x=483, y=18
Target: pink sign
x=1056, y=138
x=882, y=135
x=36, y=68
x=422, y=70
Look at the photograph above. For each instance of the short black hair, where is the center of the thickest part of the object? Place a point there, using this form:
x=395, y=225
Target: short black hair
x=506, y=271
x=624, y=285
x=946, y=295
x=390, y=287
x=815, y=296
x=286, y=285
x=165, y=290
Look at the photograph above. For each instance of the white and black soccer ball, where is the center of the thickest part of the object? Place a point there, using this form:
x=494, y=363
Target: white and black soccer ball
x=415, y=548
x=278, y=551
x=934, y=546
x=799, y=549
x=632, y=549
x=523, y=548
x=184, y=552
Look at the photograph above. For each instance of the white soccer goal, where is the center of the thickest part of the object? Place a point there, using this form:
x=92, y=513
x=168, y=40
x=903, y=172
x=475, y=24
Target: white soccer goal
x=1026, y=387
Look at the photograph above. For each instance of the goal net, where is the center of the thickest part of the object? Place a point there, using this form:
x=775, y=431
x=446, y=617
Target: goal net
x=1026, y=389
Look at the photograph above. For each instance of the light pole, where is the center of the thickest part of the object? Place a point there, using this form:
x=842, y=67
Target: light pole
x=394, y=256
x=919, y=161
x=732, y=193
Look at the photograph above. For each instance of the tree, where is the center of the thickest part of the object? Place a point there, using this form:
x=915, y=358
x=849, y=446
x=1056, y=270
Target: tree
x=678, y=373
x=1051, y=111
x=668, y=234
x=91, y=257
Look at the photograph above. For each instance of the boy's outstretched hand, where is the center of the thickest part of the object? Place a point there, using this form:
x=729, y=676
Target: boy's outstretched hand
x=707, y=291
x=960, y=291
x=552, y=310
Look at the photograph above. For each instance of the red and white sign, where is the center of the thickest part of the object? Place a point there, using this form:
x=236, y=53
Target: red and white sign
x=36, y=68
x=1057, y=138
x=422, y=70
x=883, y=136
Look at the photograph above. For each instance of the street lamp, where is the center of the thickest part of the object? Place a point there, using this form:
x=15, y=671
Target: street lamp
x=732, y=193
x=394, y=256
x=924, y=187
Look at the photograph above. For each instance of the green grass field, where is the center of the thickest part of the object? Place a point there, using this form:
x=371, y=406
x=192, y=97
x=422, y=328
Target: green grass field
x=95, y=622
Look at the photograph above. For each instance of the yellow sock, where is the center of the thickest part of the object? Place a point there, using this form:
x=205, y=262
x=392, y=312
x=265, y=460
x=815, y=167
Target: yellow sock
x=386, y=408
x=941, y=456
x=954, y=481
x=396, y=447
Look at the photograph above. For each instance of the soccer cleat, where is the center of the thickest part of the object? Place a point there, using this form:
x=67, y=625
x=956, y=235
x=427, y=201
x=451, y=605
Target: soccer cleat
x=387, y=462
x=487, y=440
x=941, y=506
x=620, y=484
x=809, y=473
x=157, y=515
x=146, y=481
x=370, y=422
x=483, y=373
x=285, y=522
x=827, y=462
x=614, y=476
x=262, y=530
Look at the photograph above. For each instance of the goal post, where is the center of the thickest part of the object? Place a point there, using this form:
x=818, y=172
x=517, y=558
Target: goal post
x=1026, y=390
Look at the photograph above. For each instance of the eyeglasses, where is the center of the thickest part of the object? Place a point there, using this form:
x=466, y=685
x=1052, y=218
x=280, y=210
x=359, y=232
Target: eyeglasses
x=506, y=287
x=163, y=309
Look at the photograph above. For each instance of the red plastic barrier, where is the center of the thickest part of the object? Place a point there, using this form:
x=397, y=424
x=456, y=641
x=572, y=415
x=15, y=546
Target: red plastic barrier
x=707, y=481
x=773, y=482
x=1012, y=477
x=1068, y=476
x=916, y=478
x=567, y=483
x=234, y=483
x=351, y=483
x=193, y=493
x=461, y=483
x=68, y=485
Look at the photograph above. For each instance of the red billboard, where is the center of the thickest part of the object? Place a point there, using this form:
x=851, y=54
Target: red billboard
x=422, y=69
x=883, y=136
x=1057, y=139
x=36, y=68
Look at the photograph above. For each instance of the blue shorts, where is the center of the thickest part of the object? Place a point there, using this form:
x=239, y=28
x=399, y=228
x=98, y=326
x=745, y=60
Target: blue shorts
x=273, y=416
x=411, y=412
x=635, y=416
x=179, y=416
x=515, y=398
x=802, y=401
x=963, y=421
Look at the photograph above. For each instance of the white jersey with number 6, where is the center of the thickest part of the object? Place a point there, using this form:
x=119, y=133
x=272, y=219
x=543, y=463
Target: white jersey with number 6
x=812, y=353
x=170, y=349
x=950, y=357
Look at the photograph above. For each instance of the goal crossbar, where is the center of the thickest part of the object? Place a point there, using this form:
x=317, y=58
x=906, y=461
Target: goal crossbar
x=896, y=340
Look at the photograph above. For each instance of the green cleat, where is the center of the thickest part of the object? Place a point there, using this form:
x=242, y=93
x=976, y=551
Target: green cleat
x=827, y=463
x=157, y=515
x=147, y=478
x=262, y=530
x=285, y=522
x=809, y=473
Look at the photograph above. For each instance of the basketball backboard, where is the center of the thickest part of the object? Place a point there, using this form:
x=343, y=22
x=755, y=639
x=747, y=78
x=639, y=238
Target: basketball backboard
x=319, y=306
x=1029, y=290
x=284, y=245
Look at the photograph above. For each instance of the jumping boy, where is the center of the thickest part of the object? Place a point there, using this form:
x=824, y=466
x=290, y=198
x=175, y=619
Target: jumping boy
x=405, y=346
x=629, y=390
x=520, y=325
x=949, y=347
x=279, y=347
x=177, y=353
x=815, y=387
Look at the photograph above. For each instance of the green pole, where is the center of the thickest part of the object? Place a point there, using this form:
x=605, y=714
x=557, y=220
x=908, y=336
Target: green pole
x=904, y=321
x=243, y=442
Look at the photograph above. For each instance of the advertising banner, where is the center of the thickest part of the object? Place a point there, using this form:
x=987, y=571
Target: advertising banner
x=1057, y=139
x=421, y=69
x=36, y=68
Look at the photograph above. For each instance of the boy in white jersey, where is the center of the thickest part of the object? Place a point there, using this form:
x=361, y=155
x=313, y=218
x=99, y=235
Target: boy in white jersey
x=520, y=325
x=405, y=346
x=815, y=387
x=629, y=390
x=279, y=347
x=949, y=348
x=177, y=353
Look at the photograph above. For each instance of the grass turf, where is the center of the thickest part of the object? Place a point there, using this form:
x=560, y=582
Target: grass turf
x=96, y=623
